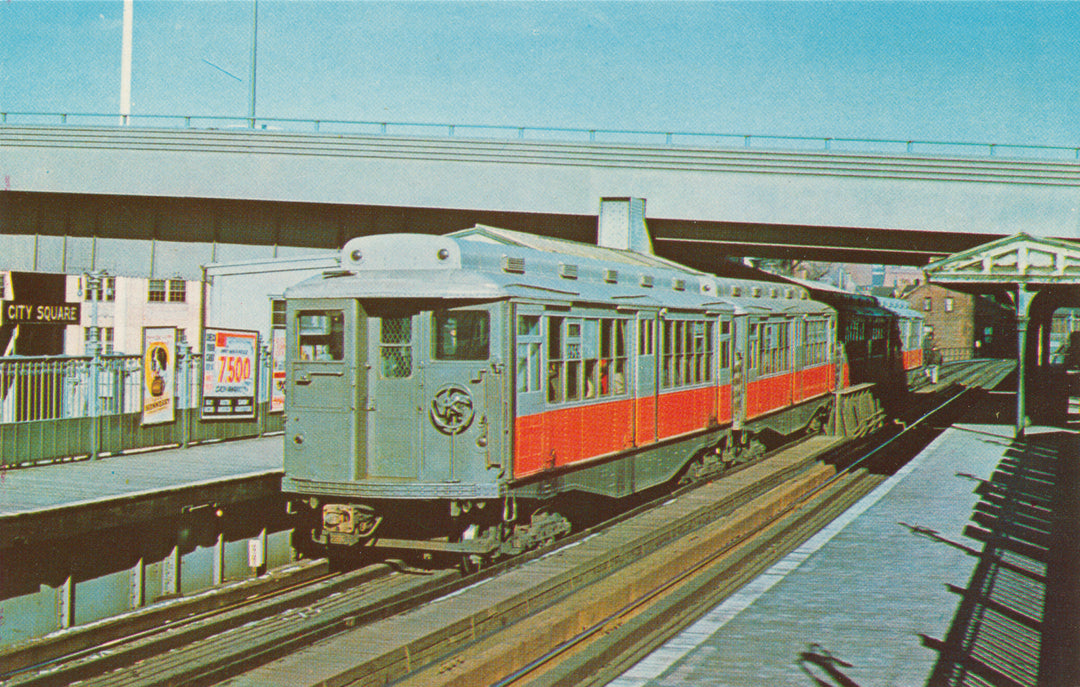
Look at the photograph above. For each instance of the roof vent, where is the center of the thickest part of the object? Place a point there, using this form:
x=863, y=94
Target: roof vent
x=611, y=276
x=678, y=284
x=736, y=291
x=567, y=270
x=514, y=265
x=790, y=293
x=774, y=292
x=756, y=292
x=646, y=281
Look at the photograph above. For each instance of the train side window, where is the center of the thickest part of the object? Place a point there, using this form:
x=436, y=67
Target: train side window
x=645, y=337
x=528, y=354
x=462, y=334
x=555, y=359
x=395, y=350
x=725, y=344
x=321, y=335
x=618, y=371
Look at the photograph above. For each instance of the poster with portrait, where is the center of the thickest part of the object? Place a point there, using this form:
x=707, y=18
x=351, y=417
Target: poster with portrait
x=230, y=368
x=158, y=375
x=277, y=370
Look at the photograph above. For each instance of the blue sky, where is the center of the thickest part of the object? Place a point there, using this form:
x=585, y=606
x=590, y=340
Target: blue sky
x=985, y=71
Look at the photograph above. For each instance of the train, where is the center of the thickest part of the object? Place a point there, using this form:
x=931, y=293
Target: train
x=462, y=394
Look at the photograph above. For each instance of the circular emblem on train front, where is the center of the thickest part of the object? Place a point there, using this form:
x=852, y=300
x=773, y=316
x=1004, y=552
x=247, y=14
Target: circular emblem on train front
x=452, y=409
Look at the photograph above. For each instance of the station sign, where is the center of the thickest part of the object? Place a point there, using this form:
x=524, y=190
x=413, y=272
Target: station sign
x=56, y=314
x=230, y=368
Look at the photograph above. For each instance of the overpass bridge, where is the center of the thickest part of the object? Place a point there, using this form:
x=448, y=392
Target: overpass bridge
x=161, y=202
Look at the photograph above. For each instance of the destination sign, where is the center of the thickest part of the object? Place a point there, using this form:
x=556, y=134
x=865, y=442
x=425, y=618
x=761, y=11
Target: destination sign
x=60, y=314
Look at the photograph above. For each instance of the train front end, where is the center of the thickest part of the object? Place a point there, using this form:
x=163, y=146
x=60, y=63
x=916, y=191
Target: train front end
x=397, y=399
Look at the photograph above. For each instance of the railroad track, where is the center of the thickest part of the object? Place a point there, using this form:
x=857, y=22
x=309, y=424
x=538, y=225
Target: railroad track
x=222, y=643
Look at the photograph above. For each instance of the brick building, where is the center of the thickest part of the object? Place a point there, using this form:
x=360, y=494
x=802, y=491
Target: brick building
x=965, y=325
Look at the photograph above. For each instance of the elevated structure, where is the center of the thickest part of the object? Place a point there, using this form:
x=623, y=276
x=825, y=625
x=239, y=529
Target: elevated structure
x=1039, y=275
x=161, y=202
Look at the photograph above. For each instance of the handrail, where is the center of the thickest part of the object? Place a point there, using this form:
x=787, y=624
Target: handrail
x=550, y=134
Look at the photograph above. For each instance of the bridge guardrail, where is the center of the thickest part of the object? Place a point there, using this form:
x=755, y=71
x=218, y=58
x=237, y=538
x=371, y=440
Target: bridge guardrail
x=48, y=411
x=553, y=134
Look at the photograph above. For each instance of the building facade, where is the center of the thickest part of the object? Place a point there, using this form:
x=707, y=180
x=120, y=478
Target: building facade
x=965, y=325
x=122, y=306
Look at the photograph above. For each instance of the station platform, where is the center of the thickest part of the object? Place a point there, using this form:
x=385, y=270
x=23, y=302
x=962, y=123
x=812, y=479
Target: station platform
x=961, y=569
x=62, y=495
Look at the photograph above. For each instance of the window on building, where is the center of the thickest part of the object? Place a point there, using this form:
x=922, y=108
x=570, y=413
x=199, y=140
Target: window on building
x=927, y=304
x=155, y=291
x=106, y=334
x=103, y=290
x=277, y=313
x=950, y=304
x=177, y=291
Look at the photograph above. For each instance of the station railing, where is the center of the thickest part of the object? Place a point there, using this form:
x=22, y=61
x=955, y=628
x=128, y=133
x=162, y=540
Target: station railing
x=59, y=407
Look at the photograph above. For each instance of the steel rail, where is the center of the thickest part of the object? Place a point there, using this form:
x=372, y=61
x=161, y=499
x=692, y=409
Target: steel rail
x=800, y=505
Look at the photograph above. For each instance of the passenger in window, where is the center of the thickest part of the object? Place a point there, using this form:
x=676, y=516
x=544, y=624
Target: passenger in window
x=590, y=378
x=554, y=382
x=618, y=378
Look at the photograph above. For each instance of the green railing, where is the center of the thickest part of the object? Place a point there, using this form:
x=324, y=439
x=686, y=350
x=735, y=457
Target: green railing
x=62, y=408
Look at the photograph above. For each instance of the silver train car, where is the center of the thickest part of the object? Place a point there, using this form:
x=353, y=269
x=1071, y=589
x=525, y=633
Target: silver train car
x=463, y=394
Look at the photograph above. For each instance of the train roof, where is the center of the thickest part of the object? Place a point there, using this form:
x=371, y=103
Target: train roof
x=486, y=263
x=900, y=307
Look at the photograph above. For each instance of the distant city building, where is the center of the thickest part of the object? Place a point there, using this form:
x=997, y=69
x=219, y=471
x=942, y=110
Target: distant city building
x=122, y=306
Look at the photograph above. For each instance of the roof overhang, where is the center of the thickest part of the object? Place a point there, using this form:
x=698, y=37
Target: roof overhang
x=1020, y=260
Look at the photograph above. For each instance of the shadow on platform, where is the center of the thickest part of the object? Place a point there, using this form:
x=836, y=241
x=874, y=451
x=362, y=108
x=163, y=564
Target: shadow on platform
x=1018, y=622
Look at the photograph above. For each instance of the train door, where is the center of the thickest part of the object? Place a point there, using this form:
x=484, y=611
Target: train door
x=463, y=393
x=393, y=405
x=725, y=338
x=740, y=361
x=533, y=380
x=326, y=388
x=645, y=379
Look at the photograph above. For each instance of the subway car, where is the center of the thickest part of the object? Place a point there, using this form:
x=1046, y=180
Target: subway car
x=463, y=394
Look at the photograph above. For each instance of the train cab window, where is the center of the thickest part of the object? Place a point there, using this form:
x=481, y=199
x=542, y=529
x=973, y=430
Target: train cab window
x=395, y=347
x=320, y=335
x=462, y=334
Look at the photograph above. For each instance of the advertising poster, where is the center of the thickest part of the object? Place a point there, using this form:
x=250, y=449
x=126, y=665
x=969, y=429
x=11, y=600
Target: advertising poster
x=277, y=370
x=159, y=374
x=229, y=373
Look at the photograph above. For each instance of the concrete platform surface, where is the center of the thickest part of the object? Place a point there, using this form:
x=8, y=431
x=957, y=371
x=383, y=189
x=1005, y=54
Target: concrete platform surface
x=960, y=569
x=61, y=485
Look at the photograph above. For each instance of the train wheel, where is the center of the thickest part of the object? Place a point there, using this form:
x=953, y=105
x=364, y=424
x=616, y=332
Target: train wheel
x=693, y=472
